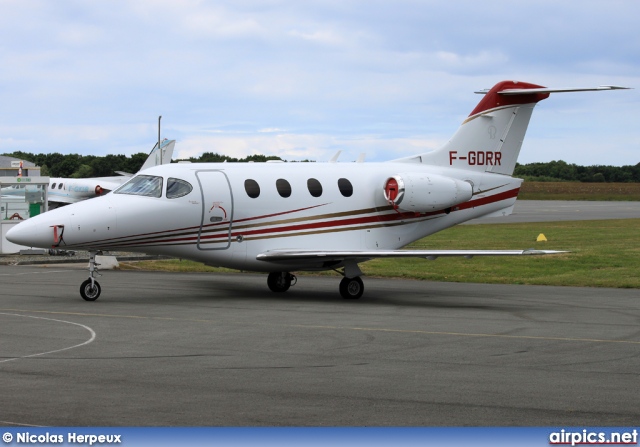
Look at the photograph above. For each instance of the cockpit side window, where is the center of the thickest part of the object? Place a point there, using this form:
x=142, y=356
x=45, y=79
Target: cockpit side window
x=177, y=188
x=142, y=185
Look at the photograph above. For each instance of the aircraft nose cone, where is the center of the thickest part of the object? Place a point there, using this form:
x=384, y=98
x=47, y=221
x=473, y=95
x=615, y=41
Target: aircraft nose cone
x=39, y=231
x=30, y=234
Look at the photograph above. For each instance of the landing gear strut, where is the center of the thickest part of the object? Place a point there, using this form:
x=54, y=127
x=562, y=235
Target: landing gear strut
x=90, y=289
x=281, y=281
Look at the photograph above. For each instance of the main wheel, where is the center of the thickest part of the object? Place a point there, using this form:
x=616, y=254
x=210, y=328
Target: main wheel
x=88, y=292
x=279, y=281
x=351, y=288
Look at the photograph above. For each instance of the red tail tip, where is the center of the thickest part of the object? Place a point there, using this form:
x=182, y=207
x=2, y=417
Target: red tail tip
x=494, y=99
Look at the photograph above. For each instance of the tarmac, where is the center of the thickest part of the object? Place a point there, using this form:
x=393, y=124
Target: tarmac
x=176, y=349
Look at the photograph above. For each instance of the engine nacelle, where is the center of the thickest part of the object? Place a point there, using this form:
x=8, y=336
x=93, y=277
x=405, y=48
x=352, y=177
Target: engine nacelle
x=423, y=193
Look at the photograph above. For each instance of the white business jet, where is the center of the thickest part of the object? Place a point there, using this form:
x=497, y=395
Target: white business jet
x=285, y=217
x=63, y=191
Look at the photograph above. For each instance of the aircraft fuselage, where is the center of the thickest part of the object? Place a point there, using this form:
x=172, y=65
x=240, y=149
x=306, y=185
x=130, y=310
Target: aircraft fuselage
x=235, y=211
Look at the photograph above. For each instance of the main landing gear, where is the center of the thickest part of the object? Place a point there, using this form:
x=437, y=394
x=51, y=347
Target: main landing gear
x=350, y=288
x=90, y=289
x=281, y=281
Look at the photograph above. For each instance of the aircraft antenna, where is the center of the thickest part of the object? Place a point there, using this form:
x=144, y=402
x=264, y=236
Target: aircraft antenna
x=160, y=150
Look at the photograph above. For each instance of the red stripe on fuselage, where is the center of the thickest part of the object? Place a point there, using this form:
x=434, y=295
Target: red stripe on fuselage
x=349, y=224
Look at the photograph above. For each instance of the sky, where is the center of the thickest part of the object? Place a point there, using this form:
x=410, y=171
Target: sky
x=304, y=79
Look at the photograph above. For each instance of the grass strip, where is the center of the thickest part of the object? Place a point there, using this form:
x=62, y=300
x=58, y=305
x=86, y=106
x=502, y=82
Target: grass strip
x=579, y=191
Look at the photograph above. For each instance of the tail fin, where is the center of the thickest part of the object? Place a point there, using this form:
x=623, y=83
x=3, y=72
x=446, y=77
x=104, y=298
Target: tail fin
x=160, y=157
x=489, y=140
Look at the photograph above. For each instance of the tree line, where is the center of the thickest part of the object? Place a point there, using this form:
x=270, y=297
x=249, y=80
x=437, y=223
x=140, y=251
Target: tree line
x=84, y=166
x=559, y=170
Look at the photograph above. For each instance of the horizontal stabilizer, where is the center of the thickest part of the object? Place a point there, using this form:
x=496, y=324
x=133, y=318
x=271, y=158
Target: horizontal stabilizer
x=529, y=91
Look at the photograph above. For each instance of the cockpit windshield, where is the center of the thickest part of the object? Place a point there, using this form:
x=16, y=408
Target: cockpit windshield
x=142, y=185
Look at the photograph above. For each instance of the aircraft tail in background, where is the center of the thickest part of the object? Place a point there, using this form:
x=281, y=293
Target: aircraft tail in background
x=160, y=157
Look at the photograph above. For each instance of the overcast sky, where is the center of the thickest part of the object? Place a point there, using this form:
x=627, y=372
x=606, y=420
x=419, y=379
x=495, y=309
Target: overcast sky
x=304, y=79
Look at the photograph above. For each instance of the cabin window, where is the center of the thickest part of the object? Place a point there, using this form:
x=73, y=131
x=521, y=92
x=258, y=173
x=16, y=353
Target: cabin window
x=346, y=189
x=252, y=188
x=142, y=185
x=284, y=187
x=315, y=188
x=177, y=188
x=53, y=186
x=60, y=186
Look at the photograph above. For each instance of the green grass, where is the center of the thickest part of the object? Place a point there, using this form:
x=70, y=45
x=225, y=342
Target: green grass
x=579, y=191
x=604, y=253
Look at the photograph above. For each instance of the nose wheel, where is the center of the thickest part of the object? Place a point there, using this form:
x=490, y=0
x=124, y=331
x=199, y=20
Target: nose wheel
x=90, y=289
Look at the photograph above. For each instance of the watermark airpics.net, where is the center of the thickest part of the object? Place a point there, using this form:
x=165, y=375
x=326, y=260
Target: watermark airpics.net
x=589, y=437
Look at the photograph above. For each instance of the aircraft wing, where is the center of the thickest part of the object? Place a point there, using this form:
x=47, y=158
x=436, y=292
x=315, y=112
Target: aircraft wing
x=307, y=256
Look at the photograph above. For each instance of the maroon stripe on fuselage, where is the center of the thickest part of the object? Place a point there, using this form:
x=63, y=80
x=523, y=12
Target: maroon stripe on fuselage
x=163, y=238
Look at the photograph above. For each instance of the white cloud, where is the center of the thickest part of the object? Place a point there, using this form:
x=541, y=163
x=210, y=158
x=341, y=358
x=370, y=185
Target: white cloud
x=294, y=147
x=302, y=77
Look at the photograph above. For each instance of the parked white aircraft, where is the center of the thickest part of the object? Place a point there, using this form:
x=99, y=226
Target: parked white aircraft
x=63, y=191
x=285, y=217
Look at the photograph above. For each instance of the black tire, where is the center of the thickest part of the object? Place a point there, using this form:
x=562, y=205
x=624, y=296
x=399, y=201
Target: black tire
x=351, y=288
x=279, y=281
x=89, y=293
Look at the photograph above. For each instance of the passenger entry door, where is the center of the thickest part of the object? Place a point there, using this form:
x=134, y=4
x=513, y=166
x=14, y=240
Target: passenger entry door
x=217, y=210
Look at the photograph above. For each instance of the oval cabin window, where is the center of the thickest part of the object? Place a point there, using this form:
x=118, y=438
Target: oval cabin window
x=252, y=188
x=284, y=187
x=315, y=188
x=346, y=189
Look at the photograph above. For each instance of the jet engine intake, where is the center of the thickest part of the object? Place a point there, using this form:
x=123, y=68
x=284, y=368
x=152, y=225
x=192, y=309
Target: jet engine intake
x=423, y=193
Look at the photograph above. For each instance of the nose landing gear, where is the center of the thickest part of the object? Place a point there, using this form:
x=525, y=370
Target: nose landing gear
x=90, y=289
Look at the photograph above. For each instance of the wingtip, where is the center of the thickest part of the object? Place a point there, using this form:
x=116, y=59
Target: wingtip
x=533, y=251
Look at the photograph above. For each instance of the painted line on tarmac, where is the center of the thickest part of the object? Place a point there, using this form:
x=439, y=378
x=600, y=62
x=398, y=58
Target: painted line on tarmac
x=463, y=334
x=20, y=425
x=345, y=328
x=90, y=340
